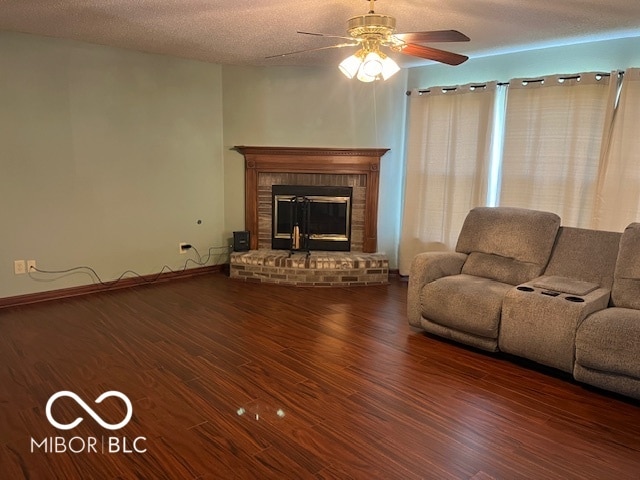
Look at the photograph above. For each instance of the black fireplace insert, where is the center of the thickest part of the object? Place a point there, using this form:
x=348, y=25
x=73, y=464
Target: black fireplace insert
x=308, y=217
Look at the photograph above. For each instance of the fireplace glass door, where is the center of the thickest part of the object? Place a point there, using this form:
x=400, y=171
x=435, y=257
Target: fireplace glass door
x=311, y=218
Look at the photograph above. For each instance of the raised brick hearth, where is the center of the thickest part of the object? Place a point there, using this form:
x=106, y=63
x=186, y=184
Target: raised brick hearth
x=318, y=269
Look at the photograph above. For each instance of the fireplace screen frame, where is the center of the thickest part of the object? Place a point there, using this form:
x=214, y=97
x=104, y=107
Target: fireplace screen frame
x=304, y=196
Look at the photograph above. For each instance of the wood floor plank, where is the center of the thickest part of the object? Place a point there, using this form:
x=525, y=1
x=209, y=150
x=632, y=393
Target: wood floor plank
x=237, y=380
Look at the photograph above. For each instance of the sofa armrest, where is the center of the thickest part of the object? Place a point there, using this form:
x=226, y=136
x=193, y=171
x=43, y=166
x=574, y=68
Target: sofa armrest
x=425, y=268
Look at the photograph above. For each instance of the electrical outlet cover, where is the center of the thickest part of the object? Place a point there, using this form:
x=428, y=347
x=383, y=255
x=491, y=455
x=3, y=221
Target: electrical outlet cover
x=19, y=267
x=31, y=266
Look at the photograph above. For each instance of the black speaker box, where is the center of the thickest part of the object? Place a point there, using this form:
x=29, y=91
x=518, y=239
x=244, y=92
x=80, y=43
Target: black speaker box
x=241, y=241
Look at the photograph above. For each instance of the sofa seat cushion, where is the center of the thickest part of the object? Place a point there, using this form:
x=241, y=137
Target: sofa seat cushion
x=465, y=303
x=609, y=341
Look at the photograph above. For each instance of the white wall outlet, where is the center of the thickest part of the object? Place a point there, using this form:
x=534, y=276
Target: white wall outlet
x=183, y=247
x=31, y=266
x=19, y=267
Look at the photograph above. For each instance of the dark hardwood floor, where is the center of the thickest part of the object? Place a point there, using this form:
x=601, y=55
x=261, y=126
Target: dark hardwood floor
x=237, y=380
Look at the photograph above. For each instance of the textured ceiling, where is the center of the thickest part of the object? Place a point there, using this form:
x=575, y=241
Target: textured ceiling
x=242, y=32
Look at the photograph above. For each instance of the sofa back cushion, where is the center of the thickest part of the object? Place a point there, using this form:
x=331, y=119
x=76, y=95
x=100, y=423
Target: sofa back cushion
x=509, y=245
x=626, y=283
x=585, y=255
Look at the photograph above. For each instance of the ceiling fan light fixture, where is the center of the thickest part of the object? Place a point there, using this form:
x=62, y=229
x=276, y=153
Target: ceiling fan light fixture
x=372, y=64
x=368, y=66
x=350, y=65
x=363, y=77
x=373, y=32
x=389, y=68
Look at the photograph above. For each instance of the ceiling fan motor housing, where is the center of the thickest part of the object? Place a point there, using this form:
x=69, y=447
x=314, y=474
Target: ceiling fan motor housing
x=371, y=24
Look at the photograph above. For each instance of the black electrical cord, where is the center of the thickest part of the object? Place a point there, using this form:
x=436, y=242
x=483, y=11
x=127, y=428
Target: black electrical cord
x=144, y=278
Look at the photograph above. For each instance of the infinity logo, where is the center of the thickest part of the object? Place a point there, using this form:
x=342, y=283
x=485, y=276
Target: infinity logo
x=89, y=410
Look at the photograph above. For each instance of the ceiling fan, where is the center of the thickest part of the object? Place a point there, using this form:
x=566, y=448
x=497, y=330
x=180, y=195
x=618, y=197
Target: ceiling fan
x=373, y=31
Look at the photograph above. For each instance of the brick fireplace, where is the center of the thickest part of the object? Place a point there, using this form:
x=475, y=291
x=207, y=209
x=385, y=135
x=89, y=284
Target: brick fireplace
x=358, y=169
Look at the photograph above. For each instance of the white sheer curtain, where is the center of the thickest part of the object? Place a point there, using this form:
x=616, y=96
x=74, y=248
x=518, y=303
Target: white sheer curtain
x=552, y=143
x=448, y=148
x=617, y=200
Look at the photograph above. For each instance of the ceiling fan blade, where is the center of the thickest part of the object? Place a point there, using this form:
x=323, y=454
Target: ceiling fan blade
x=326, y=35
x=433, y=36
x=429, y=53
x=340, y=45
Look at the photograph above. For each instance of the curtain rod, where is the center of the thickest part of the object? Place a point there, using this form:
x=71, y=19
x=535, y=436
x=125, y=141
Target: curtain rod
x=533, y=80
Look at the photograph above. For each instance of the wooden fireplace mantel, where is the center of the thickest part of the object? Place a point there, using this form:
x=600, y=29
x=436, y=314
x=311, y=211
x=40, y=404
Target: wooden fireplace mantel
x=359, y=161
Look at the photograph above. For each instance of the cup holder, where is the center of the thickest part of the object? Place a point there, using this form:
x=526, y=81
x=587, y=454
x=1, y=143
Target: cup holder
x=525, y=289
x=574, y=299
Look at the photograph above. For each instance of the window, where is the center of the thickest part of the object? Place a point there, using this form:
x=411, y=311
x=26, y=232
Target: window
x=563, y=143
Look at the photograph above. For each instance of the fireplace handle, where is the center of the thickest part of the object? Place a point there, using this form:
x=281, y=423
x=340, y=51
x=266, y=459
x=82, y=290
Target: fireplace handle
x=296, y=237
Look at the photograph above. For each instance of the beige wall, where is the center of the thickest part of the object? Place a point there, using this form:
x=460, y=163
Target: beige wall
x=596, y=56
x=107, y=157
x=315, y=107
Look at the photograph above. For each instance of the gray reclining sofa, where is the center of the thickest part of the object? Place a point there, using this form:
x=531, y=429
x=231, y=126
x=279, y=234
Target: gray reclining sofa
x=521, y=283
